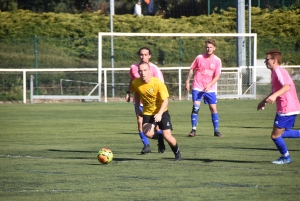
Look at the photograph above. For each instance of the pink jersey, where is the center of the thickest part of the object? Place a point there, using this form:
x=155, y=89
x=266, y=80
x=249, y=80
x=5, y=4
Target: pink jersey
x=155, y=72
x=288, y=103
x=206, y=69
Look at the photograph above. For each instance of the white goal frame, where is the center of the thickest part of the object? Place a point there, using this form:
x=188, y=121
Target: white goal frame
x=254, y=54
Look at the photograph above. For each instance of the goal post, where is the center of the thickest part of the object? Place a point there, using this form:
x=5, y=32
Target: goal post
x=232, y=77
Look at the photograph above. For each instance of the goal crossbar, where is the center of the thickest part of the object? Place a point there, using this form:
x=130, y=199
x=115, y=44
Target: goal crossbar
x=112, y=34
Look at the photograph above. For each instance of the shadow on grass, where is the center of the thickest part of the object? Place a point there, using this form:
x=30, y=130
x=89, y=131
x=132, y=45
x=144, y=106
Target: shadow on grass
x=75, y=151
x=128, y=133
x=259, y=148
x=118, y=160
x=207, y=160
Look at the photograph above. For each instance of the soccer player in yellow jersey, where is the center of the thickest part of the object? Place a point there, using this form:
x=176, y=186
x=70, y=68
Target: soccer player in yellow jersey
x=154, y=95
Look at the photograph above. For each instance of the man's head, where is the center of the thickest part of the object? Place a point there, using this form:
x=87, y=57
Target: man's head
x=273, y=58
x=210, y=46
x=144, y=72
x=144, y=54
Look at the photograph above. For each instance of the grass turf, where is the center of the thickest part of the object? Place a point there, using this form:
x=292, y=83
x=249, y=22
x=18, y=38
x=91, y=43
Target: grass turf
x=49, y=152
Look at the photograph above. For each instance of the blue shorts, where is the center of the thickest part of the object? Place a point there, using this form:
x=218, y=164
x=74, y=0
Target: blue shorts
x=286, y=122
x=209, y=97
x=141, y=108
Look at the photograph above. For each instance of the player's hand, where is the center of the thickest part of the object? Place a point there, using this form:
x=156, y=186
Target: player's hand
x=271, y=99
x=261, y=105
x=127, y=97
x=157, y=117
x=187, y=86
x=208, y=86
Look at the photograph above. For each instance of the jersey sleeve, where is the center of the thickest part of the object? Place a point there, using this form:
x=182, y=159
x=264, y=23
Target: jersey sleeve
x=134, y=71
x=194, y=65
x=163, y=91
x=218, y=67
x=133, y=86
x=156, y=72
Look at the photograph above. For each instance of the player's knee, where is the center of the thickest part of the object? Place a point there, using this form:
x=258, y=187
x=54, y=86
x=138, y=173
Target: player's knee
x=195, y=109
x=148, y=130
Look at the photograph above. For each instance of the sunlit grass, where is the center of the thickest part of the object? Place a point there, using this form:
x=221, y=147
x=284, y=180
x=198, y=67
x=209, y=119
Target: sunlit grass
x=48, y=152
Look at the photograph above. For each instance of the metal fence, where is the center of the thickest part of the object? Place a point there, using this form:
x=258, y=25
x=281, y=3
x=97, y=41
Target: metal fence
x=43, y=52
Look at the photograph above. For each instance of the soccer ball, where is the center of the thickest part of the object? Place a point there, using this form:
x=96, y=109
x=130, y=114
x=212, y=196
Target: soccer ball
x=105, y=155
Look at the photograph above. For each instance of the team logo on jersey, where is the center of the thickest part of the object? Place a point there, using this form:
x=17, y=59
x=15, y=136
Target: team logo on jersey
x=151, y=90
x=212, y=66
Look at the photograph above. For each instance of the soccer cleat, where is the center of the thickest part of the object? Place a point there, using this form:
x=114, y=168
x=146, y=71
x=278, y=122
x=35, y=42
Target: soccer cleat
x=192, y=133
x=282, y=160
x=177, y=156
x=146, y=149
x=218, y=134
x=161, y=144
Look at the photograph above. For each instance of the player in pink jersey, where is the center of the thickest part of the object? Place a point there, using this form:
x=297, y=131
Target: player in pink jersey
x=207, y=69
x=145, y=54
x=287, y=105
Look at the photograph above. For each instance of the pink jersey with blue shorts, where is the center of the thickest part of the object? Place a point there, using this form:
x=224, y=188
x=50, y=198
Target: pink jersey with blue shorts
x=288, y=103
x=155, y=72
x=205, y=71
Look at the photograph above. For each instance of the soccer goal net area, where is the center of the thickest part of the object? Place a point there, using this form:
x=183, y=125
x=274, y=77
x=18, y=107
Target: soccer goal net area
x=242, y=75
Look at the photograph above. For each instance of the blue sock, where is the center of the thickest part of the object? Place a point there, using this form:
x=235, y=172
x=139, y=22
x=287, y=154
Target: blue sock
x=215, y=121
x=144, y=138
x=194, y=119
x=280, y=144
x=159, y=132
x=291, y=134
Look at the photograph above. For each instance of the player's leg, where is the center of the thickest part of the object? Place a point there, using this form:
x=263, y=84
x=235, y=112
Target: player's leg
x=160, y=140
x=210, y=98
x=289, y=133
x=196, y=97
x=149, y=126
x=144, y=139
x=166, y=126
x=281, y=123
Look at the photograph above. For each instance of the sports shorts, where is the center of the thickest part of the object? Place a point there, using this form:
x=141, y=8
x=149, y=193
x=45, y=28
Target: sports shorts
x=141, y=108
x=286, y=122
x=164, y=124
x=208, y=97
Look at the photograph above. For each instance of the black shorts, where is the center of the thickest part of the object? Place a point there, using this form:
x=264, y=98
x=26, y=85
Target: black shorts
x=164, y=124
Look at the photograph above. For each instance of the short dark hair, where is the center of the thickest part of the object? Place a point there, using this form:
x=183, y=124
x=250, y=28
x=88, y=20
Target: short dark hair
x=144, y=63
x=144, y=48
x=210, y=41
x=276, y=54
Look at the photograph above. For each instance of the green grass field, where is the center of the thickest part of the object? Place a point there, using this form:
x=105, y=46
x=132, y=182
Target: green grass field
x=49, y=152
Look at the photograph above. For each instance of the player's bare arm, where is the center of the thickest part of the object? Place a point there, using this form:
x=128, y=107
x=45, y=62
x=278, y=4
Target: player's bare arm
x=164, y=105
x=127, y=97
x=208, y=86
x=188, y=78
x=273, y=97
x=137, y=100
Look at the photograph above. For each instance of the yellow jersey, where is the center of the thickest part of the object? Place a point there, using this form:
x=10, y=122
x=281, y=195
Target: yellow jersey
x=151, y=94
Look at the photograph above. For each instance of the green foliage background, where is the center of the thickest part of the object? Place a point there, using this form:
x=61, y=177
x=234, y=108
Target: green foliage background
x=70, y=40
x=63, y=40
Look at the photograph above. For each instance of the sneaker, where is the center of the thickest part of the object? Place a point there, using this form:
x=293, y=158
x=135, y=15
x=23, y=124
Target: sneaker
x=218, y=134
x=178, y=156
x=282, y=160
x=146, y=149
x=193, y=133
x=161, y=144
